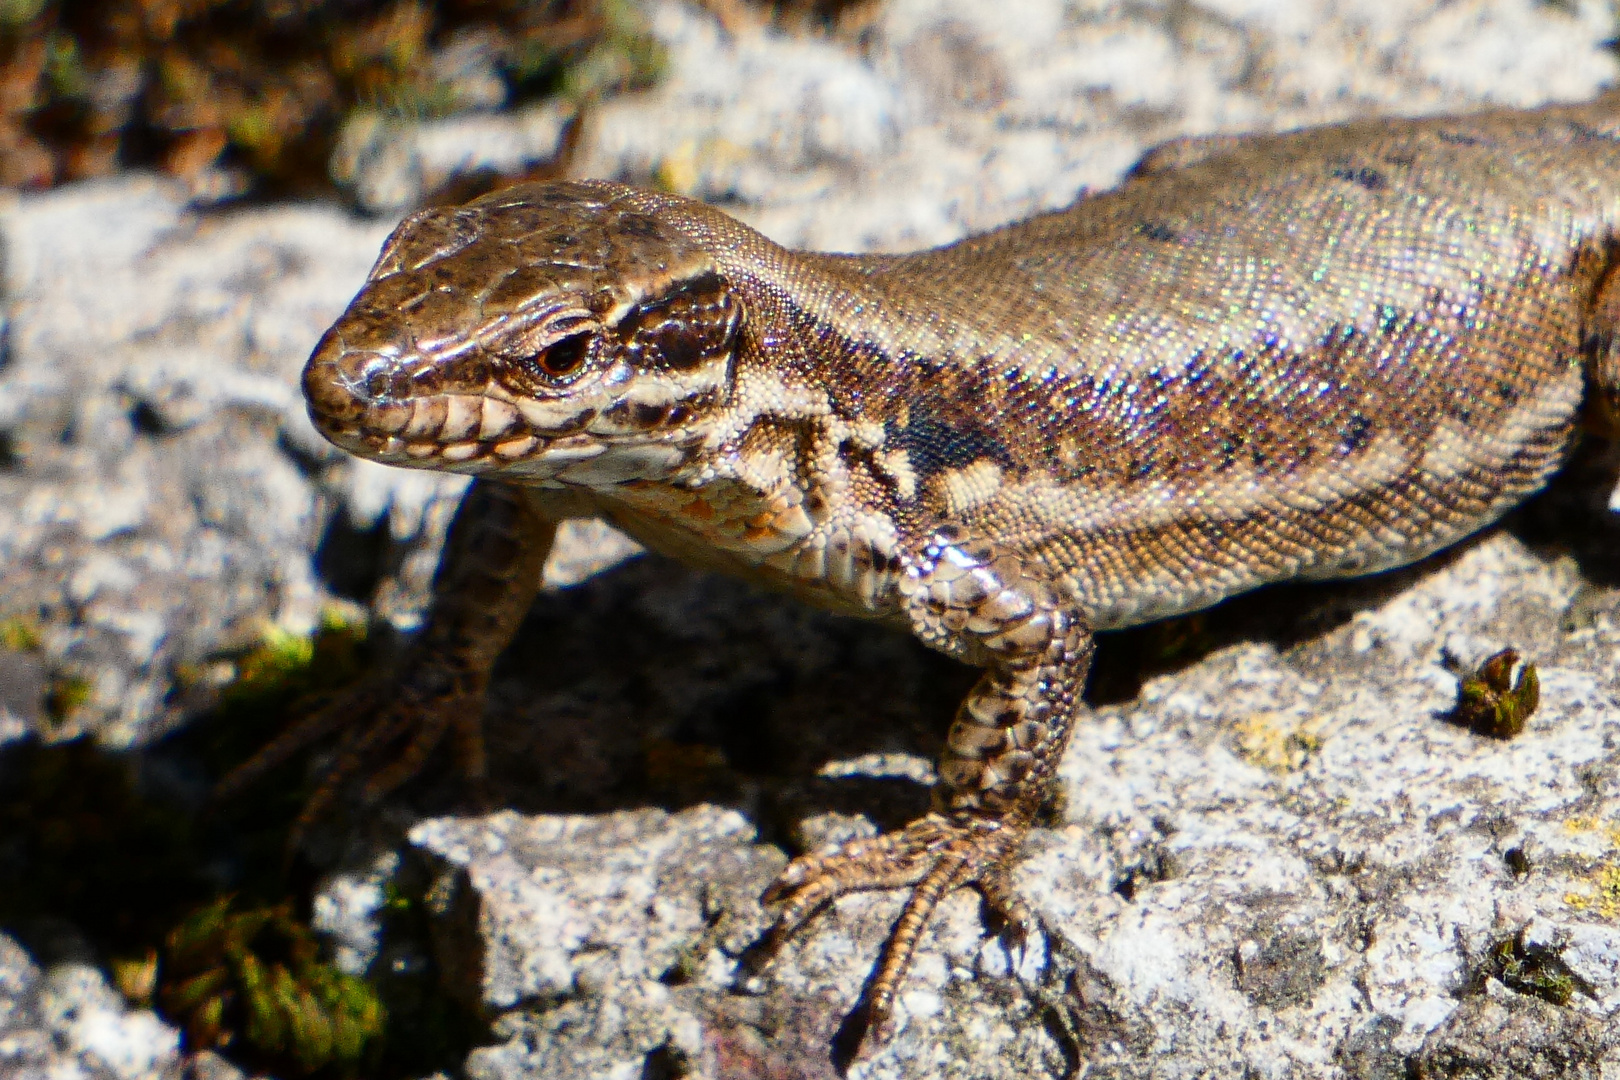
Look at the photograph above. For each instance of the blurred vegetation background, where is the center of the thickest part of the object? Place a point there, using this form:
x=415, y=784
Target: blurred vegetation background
x=240, y=97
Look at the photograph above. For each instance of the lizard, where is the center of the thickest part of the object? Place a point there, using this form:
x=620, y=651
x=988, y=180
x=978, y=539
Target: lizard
x=1316, y=354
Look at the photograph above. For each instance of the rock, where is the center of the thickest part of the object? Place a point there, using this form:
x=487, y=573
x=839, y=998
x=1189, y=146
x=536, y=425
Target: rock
x=390, y=164
x=1340, y=851
x=158, y=507
x=1517, y=1038
x=1275, y=858
x=604, y=915
x=70, y=1023
x=1284, y=837
x=91, y=1019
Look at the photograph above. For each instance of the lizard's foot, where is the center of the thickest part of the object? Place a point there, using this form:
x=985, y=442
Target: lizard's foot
x=933, y=856
x=393, y=724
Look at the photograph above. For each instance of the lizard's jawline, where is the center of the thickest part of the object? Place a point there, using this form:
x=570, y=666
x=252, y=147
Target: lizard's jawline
x=506, y=448
x=434, y=431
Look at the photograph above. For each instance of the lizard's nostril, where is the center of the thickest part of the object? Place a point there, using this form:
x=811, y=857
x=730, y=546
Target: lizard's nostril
x=343, y=385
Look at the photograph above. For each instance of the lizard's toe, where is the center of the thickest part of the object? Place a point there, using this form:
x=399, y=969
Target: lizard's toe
x=391, y=727
x=932, y=856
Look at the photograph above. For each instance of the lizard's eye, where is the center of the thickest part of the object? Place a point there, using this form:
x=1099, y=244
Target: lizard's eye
x=564, y=358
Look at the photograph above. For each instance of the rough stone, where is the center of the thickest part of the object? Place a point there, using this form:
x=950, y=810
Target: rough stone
x=69, y=1024
x=1275, y=857
x=1517, y=1038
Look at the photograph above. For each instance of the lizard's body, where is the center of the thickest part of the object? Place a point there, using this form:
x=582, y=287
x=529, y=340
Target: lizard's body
x=1315, y=354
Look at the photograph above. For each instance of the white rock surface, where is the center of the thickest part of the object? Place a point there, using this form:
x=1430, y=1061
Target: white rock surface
x=957, y=114
x=1280, y=858
x=1275, y=861
x=152, y=369
x=69, y=1024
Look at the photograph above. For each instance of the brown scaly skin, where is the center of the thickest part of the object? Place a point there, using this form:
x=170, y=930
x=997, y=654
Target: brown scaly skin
x=1314, y=355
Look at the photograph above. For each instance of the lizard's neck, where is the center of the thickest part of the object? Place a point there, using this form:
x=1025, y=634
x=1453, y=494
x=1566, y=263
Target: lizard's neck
x=855, y=422
x=794, y=486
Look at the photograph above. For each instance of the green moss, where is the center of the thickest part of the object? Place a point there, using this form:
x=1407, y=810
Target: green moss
x=85, y=841
x=1490, y=702
x=285, y=666
x=1534, y=970
x=67, y=693
x=254, y=976
x=283, y=677
x=19, y=634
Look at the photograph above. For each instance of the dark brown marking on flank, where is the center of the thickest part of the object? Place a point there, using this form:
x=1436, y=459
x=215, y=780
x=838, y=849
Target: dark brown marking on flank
x=937, y=441
x=1361, y=176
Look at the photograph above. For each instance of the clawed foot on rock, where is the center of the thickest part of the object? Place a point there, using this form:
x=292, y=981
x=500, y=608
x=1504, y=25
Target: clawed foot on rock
x=932, y=856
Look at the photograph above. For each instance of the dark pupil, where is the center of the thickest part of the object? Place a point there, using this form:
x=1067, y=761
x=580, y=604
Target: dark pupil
x=565, y=357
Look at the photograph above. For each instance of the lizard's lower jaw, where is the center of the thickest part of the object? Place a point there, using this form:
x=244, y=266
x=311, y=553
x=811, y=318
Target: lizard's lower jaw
x=576, y=460
x=454, y=432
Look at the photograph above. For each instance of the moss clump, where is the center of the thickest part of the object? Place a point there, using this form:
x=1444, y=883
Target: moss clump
x=265, y=689
x=1535, y=970
x=252, y=980
x=65, y=696
x=1490, y=702
x=284, y=666
x=87, y=838
x=280, y=675
x=19, y=634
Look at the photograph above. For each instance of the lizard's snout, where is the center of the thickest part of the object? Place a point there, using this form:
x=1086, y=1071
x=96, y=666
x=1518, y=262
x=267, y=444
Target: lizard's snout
x=352, y=394
x=380, y=405
x=407, y=410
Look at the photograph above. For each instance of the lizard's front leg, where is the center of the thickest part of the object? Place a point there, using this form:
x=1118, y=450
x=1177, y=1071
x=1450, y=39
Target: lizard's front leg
x=990, y=608
x=488, y=575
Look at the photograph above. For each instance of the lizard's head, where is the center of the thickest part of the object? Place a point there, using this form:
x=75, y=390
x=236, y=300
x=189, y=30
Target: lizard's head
x=543, y=333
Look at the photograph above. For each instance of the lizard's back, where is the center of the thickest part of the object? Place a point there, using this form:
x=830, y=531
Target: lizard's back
x=1317, y=354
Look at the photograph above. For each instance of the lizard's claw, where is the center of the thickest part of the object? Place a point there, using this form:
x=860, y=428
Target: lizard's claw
x=933, y=856
x=405, y=715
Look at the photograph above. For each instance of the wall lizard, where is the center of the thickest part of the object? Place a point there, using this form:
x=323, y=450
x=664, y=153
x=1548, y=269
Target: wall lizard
x=1309, y=355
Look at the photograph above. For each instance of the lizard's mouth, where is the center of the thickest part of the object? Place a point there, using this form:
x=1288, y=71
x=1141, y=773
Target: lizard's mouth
x=388, y=409
x=399, y=410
